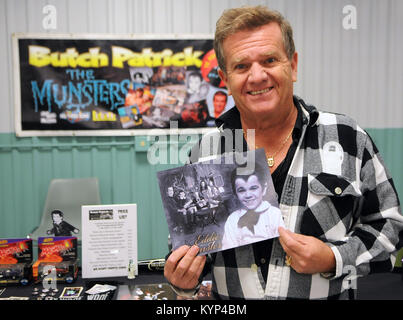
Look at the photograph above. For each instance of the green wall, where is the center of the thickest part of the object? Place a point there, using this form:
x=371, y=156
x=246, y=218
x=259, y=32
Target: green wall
x=27, y=165
x=390, y=145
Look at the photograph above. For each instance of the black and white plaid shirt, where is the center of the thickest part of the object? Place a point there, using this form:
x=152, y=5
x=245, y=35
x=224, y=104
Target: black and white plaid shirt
x=336, y=189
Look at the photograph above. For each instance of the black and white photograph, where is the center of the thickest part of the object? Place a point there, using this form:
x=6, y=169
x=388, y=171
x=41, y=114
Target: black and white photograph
x=218, y=205
x=60, y=227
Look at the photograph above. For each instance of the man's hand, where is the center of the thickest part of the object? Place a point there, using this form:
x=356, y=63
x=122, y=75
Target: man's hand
x=308, y=254
x=183, y=267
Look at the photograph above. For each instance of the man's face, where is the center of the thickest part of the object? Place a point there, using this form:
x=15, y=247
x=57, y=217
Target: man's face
x=259, y=75
x=219, y=102
x=250, y=192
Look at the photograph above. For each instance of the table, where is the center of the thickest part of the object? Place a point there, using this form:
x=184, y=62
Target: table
x=144, y=277
x=382, y=286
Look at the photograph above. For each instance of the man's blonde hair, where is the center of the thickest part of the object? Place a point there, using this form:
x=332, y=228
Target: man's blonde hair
x=249, y=18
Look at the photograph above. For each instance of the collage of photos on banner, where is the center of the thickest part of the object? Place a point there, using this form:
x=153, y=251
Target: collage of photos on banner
x=191, y=97
x=218, y=206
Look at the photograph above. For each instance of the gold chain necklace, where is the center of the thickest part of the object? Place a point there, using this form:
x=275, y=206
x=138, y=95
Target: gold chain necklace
x=270, y=159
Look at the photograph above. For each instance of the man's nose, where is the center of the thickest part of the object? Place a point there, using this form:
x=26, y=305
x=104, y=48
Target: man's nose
x=257, y=73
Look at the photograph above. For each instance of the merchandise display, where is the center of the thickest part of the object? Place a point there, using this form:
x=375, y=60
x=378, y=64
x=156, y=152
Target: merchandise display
x=131, y=270
x=100, y=290
x=57, y=260
x=65, y=271
x=44, y=294
x=161, y=291
x=15, y=261
x=71, y=293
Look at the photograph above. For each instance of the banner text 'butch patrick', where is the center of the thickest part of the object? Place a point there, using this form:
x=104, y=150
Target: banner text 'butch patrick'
x=40, y=56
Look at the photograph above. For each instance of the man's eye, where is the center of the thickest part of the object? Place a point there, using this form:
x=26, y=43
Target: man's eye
x=270, y=60
x=240, y=66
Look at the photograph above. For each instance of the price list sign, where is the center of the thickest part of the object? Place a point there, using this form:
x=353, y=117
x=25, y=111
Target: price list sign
x=109, y=240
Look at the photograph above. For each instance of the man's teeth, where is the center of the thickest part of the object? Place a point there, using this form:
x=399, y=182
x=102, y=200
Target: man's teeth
x=253, y=93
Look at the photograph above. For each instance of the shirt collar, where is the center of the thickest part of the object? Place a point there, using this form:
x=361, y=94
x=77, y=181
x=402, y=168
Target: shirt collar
x=306, y=114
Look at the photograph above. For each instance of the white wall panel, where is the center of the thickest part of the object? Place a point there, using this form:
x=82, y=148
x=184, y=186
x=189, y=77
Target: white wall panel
x=357, y=72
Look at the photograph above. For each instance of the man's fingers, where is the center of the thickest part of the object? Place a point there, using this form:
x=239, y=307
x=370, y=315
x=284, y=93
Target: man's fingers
x=183, y=267
x=180, y=261
x=291, y=242
x=287, y=238
x=178, y=254
x=173, y=259
x=197, y=267
x=185, y=263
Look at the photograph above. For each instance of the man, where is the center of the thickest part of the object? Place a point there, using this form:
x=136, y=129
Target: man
x=341, y=217
x=219, y=102
x=256, y=219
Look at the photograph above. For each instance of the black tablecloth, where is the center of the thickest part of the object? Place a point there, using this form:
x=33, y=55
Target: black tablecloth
x=383, y=286
x=144, y=277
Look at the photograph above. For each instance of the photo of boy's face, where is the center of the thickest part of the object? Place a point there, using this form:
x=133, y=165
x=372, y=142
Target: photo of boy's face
x=249, y=192
x=194, y=83
x=57, y=218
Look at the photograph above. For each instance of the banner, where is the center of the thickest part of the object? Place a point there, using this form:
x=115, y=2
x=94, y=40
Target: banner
x=89, y=85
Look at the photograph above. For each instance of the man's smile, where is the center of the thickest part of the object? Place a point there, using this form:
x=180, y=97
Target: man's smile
x=257, y=92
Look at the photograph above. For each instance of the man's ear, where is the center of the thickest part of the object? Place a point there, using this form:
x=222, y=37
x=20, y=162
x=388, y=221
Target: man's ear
x=223, y=77
x=294, y=66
